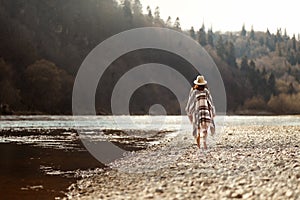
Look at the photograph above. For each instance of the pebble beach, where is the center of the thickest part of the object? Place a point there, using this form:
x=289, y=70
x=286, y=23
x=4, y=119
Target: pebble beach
x=247, y=162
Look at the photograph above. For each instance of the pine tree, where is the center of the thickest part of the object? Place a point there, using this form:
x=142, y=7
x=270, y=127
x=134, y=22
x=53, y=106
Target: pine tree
x=230, y=54
x=291, y=89
x=177, y=25
x=244, y=64
x=157, y=18
x=220, y=47
x=285, y=36
x=137, y=7
x=294, y=46
x=252, y=65
x=157, y=13
x=243, y=32
x=255, y=79
x=298, y=57
x=279, y=36
x=278, y=49
x=192, y=33
x=263, y=72
x=261, y=41
x=150, y=16
x=270, y=42
x=252, y=34
x=202, y=36
x=127, y=9
x=268, y=33
x=291, y=58
x=169, y=22
x=210, y=39
x=272, y=84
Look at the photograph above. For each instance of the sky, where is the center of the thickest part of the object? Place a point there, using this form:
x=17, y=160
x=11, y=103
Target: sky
x=230, y=15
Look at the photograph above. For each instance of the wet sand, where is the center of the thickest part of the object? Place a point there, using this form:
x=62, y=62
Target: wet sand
x=29, y=172
x=247, y=162
x=43, y=163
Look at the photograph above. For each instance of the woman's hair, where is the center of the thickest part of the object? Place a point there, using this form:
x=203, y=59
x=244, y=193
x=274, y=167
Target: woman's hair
x=200, y=87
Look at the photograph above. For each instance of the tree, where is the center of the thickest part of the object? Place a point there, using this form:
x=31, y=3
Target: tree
x=298, y=57
x=137, y=7
x=127, y=9
x=268, y=33
x=272, y=84
x=230, y=54
x=291, y=58
x=294, y=45
x=202, y=36
x=43, y=86
x=279, y=36
x=192, y=33
x=261, y=41
x=278, y=49
x=177, y=24
x=150, y=16
x=210, y=39
x=157, y=19
x=243, y=32
x=285, y=36
x=157, y=13
x=252, y=34
x=244, y=64
x=291, y=89
x=270, y=41
x=169, y=22
x=220, y=47
x=9, y=94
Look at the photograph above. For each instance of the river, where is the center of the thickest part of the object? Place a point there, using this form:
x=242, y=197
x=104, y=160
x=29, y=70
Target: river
x=42, y=155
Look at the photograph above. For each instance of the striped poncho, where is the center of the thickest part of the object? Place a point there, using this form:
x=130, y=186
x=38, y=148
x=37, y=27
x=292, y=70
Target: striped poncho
x=200, y=106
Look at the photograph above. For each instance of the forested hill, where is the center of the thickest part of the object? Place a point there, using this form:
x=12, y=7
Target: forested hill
x=43, y=43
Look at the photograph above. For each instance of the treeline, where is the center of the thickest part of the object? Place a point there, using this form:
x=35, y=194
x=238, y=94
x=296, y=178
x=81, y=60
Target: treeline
x=43, y=43
x=265, y=68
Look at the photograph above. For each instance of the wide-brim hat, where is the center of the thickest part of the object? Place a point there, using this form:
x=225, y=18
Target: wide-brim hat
x=200, y=81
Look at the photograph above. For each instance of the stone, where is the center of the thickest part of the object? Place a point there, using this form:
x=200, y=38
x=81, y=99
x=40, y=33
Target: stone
x=289, y=193
x=159, y=190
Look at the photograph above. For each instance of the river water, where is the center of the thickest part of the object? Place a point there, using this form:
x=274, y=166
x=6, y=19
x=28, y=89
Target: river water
x=42, y=155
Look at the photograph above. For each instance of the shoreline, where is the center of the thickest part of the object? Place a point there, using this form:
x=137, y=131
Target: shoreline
x=228, y=113
x=249, y=162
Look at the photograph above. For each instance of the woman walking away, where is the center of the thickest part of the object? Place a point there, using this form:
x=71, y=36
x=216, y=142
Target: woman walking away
x=200, y=110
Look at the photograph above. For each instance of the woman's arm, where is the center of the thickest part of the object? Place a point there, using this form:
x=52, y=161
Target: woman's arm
x=189, y=105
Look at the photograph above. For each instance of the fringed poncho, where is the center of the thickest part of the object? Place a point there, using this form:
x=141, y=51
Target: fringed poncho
x=200, y=106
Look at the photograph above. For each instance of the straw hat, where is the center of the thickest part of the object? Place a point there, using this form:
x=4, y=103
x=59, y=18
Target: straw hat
x=200, y=81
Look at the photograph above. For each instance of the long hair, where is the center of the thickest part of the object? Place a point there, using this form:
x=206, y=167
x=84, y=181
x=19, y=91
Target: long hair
x=200, y=87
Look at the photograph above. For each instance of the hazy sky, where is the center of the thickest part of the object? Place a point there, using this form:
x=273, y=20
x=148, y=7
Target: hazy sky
x=230, y=15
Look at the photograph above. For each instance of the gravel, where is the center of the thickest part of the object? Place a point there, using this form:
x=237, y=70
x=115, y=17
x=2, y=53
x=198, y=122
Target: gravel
x=247, y=162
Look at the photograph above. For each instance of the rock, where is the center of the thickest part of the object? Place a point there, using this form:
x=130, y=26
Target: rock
x=220, y=176
x=191, y=183
x=247, y=195
x=159, y=190
x=289, y=193
x=149, y=196
x=242, y=182
x=237, y=195
x=227, y=193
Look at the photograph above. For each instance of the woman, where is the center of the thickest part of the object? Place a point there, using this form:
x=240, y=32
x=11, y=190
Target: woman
x=200, y=110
